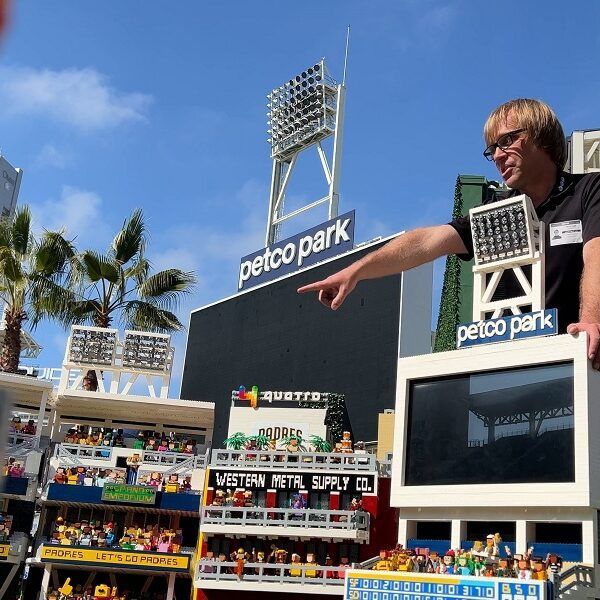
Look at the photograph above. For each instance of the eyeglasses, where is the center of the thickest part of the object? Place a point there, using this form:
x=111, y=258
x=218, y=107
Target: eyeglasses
x=504, y=142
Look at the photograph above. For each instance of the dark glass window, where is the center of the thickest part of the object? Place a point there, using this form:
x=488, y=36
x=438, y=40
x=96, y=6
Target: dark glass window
x=505, y=426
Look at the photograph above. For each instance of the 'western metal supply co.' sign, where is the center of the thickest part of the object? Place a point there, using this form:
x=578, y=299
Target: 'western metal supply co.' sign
x=302, y=250
x=131, y=559
x=133, y=494
x=381, y=585
x=296, y=482
x=513, y=327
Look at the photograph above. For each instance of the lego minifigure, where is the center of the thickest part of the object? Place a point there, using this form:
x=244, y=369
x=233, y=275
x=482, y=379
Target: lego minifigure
x=312, y=563
x=464, y=564
x=384, y=563
x=554, y=563
x=60, y=476
x=538, y=569
x=523, y=568
x=448, y=562
x=295, y=570
x=172, y=484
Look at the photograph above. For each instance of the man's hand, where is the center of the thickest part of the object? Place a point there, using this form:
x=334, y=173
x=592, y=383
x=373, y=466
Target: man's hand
x=593, y=331
x=334, y=289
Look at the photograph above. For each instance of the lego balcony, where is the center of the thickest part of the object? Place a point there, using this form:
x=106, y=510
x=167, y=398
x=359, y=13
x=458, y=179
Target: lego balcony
x=279, y=578
x=290, y=522
x=79, y=474
x=282, y=459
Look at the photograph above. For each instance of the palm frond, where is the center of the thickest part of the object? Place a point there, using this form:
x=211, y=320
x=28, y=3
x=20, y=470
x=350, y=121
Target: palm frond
x=98, y=266
x=137, y=314
x=21, y=230
x=131, y=239
x=165, y=288
x=53, y=254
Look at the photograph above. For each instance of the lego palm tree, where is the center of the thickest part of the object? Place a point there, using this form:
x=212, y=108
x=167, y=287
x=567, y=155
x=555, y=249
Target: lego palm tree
x=320, y=444
x=237, y=441
x=259, y=441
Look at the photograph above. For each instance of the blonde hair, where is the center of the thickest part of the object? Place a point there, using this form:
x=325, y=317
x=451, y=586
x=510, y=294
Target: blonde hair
x=538, y=119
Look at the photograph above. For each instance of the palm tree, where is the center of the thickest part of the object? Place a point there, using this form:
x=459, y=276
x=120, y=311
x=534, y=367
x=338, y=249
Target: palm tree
x=34, y=279
x=237, y=441
x=119, y=282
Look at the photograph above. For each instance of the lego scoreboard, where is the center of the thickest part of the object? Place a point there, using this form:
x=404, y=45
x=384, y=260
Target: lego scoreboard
x=376, y=585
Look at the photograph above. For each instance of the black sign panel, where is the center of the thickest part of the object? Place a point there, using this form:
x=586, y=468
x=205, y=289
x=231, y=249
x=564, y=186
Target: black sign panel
x=354, y=483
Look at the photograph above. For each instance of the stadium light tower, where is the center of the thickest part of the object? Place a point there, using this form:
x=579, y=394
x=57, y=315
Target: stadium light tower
x=507, y=235
x=304, y=111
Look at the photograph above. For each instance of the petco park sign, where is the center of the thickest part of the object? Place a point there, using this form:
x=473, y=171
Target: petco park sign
x=514, y=327
x=302, y=250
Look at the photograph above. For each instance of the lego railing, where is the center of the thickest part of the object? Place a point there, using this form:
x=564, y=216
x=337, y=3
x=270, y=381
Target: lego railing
x=282, y=459
x=575, y=577
x=287, y=517
x=210, y=569
x=76, y=454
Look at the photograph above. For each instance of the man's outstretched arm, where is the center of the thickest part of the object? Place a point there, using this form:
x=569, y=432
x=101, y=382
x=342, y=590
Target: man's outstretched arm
x=589, y=311
x=409, y=250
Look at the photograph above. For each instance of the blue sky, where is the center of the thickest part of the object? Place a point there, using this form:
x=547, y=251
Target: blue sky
x=116, y=105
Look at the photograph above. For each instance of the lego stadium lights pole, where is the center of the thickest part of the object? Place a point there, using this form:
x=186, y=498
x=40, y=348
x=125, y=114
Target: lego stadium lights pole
x=507, y=235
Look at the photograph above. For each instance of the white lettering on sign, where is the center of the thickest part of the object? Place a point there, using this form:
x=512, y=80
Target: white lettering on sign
x=296, y=252
x=542, y=322
x=240, y=480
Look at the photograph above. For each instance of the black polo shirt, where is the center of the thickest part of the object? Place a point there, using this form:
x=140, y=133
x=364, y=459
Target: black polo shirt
x=576, y=199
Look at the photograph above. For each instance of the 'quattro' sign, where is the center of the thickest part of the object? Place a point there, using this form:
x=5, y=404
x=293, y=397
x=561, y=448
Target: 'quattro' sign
x=513, y=327
x=302, y=250
x=297, y=482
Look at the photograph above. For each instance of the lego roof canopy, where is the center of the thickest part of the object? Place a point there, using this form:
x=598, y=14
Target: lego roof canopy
x=142, y=411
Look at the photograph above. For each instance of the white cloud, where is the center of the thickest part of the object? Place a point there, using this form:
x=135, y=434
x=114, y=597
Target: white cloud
x=51, y=156
x=78, y=212
x=81, y=98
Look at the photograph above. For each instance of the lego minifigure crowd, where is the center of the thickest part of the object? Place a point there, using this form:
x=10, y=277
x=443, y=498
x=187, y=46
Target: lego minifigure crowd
x=99, y=477
x=481, y=561
x=152, y=538
x=101, y=591
x=17, y=426
x=145, y=440
x=250, y=563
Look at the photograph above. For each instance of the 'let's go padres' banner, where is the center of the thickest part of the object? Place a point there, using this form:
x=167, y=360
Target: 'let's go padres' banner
x=125, y=558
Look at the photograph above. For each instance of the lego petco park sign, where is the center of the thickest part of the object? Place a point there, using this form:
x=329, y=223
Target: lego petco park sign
x=302, y=250
x=513, y=327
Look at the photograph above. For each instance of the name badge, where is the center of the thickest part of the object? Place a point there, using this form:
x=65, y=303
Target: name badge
x=566, y=232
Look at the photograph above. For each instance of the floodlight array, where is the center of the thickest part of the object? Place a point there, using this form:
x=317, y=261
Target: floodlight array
x=146, y=351
x=501, y=232
x=302, y=110
x=92, y=346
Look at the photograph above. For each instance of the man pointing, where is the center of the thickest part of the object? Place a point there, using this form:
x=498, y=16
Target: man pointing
x=527, y=144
